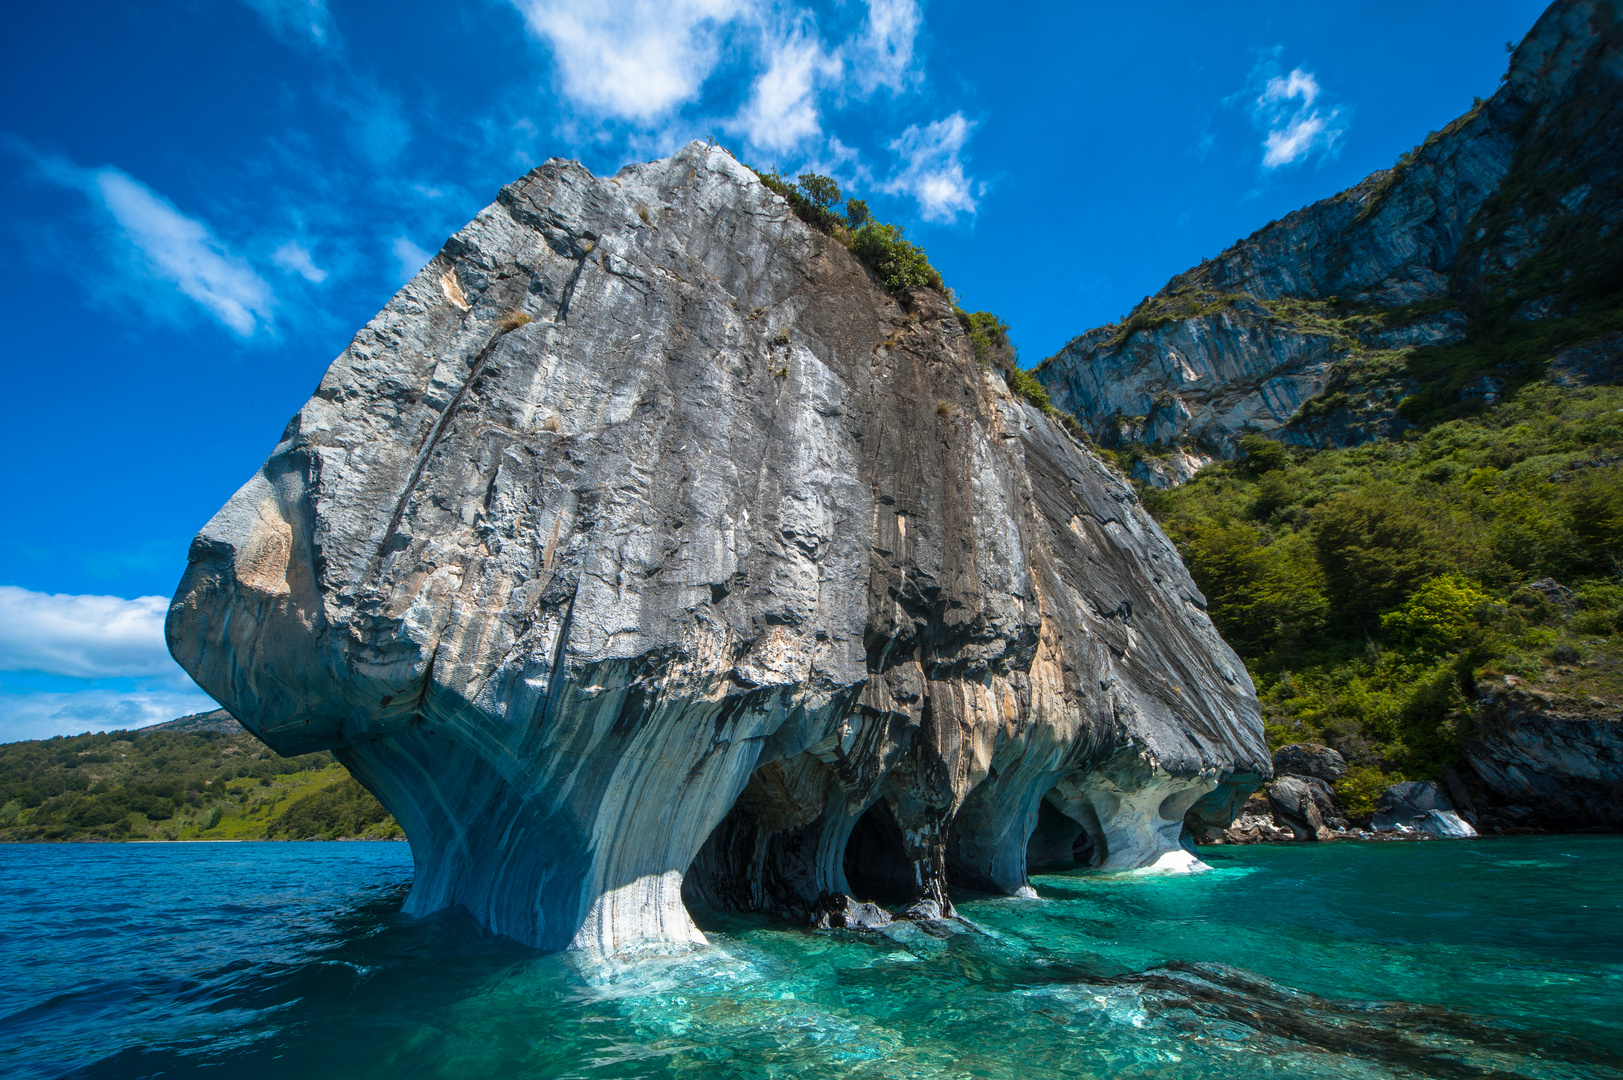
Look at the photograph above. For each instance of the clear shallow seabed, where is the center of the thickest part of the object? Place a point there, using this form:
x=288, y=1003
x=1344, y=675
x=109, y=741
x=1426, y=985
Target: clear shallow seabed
x=1498, y=958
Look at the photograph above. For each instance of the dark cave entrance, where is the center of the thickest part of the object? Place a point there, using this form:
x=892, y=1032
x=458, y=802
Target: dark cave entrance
x=876, y=864
x=1058, y=841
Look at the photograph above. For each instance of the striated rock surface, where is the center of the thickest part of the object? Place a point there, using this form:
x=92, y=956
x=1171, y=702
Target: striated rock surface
x=1310, y=759
x=1419, y=806
x=1333, y=306
x=1546, y=760
x=644, y=551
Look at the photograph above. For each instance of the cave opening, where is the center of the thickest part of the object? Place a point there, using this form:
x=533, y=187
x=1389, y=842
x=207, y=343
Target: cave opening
x=1058, y=841
x=876, y=863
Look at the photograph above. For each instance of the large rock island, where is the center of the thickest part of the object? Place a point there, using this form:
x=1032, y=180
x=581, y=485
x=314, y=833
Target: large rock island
x=644, y=536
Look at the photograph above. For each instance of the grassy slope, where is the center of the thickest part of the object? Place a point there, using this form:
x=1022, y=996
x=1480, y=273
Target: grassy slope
x=168, y=785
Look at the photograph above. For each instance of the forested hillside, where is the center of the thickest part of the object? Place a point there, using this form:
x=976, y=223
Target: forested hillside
x=193, y=779
x=1372, y=589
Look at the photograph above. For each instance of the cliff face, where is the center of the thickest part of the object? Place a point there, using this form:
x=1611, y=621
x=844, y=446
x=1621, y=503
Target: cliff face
x=643, y=538
x=1508, y=215
x=1546, y=760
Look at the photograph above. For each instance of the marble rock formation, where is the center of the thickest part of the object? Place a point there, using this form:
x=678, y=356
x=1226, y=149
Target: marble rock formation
x=1419, y=806
x=1306, y=806
x=1310, y=759
x=644, y=550
x=1556, y=758
x=1322, y=301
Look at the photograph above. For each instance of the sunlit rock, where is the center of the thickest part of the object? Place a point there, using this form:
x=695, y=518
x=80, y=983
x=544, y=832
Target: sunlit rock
x=1314, y=306
x=643, y=551
x=1419, y=806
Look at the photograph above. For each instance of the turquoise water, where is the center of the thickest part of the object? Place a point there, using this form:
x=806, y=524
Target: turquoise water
x=1498, y=958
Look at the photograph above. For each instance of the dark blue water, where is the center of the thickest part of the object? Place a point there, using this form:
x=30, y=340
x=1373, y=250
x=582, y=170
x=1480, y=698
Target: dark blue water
x=1498, y=958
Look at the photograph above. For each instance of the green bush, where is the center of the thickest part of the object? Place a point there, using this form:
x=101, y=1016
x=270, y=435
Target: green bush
x=1026, y=385
x=1360, y=788
x=812, y=199
x=1438, y=618
x=989, y=338
x=900, y=264
x=342, y=809
x=1370, y=588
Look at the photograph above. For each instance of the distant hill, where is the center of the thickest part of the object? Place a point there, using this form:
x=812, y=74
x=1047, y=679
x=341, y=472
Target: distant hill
x=217, y=721
x=201, y=777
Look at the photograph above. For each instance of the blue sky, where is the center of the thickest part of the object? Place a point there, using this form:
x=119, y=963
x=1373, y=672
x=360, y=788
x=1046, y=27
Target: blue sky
x=202, y=200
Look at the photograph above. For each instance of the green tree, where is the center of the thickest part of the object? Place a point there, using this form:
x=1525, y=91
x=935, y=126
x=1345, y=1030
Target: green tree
x=1377, y=545
x=821, y=191
x=1260, y=454
x=1439, y=618
x=1260, y=596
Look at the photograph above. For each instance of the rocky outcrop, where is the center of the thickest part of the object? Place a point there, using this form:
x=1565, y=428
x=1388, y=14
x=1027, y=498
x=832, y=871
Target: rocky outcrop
x=1306, y=806
x=1546, y=760
x=1310, y=759
x=643, y=550
x=1326, y=306
x=1419, y=806
x=217, y=720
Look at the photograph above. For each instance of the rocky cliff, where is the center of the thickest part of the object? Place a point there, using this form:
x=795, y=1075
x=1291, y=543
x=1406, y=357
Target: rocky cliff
x=1414, y=293
x=1545, y=760
x=644, y=548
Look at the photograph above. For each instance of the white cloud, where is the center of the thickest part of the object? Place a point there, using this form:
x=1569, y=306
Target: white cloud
x=183, y=250
x=633, y=59
x=1296, y=139
x=643, y=60
x=168, y=245
x=932, y=170
x=1284, y=88
x=74, y=639
x=297, y=20
x=1284, y=110
x=295, y=259
x=884, y=52
x=782, y=110
x=86, y=637
x=43, y=715
x=411, y=258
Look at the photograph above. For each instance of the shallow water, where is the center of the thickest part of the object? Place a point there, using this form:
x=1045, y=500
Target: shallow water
x=1480, y=958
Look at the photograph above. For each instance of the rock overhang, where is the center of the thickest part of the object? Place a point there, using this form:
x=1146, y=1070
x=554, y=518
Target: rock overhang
x=631, y=545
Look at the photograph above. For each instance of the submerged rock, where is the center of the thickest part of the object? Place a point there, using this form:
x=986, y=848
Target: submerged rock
x=644, y=549
x=1419, y=806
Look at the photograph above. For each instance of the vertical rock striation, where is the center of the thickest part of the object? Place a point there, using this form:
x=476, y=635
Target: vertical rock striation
x=643, y=545
x=1327, y=306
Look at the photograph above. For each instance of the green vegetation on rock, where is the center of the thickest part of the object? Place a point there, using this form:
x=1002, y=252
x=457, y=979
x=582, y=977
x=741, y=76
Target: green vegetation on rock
x=900, y=263
x=179, y=785
x=1371, y=589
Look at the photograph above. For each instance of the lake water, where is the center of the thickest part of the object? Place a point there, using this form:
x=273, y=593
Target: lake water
x=1498, y=958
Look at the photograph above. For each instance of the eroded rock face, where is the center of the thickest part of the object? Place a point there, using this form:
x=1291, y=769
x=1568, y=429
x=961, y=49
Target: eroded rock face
x=725, y=569
x=1419, y=806
x=1310, y=759
x=1326, y=300
x=1558, y=759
